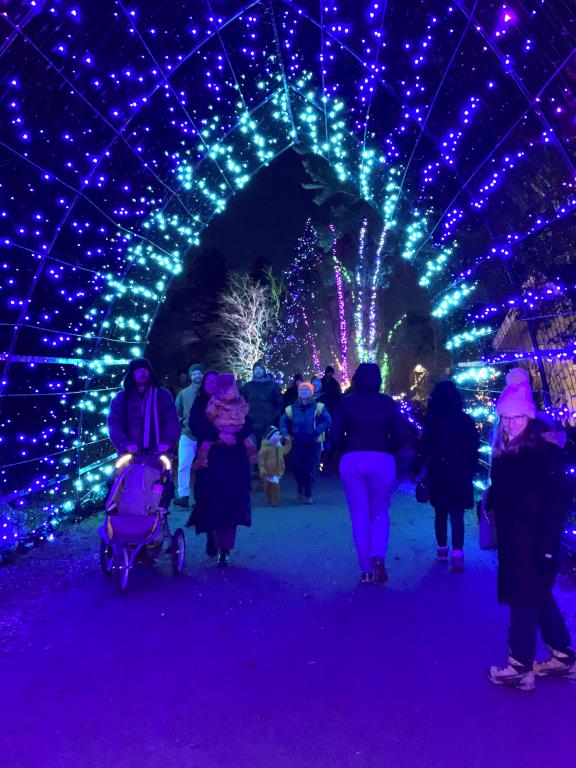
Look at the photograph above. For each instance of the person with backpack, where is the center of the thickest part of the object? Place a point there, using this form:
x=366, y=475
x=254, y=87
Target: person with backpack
x=305, y=422
x=368, y=431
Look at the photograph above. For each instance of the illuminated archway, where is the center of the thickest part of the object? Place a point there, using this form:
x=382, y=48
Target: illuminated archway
x=129, y=129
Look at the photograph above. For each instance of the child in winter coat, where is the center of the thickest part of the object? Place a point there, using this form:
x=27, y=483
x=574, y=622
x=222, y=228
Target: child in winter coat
x=528, y=494
x=227, y=410
x=271, y=463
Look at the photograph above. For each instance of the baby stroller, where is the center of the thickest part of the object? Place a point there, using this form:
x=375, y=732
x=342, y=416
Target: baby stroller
x=136, y=520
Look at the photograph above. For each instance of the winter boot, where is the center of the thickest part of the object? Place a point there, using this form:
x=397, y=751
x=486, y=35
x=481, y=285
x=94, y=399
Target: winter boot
x=442, y=554
x=560, y=664
x=224, y=558
x=514, y=675
x=457, y=560
x=274, y=494
x=380, y=573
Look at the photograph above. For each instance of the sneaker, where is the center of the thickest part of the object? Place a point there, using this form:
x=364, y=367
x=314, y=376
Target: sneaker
x=308, y=500
x=182, y=501
x=301, y=498
x=442, y=554
x=514, y=675
x=457, y=560
x=559, y=664
x=367, y=577
x=380, y=573
x=224, y=558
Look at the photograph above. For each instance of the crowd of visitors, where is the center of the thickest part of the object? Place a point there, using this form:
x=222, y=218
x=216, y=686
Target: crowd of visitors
x=219, y=430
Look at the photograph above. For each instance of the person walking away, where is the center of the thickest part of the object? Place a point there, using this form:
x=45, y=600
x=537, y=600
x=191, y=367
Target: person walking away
x=448, y=457
x=529, y=497
x=368, y=431
x=331, y=391
x=222, y=488
x=291, y=395
x=264, y=401
x=187, y=446
x=271, y=464
x=305, y=422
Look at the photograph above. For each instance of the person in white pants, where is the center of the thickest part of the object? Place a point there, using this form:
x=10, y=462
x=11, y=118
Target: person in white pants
x=187, y=445
x=368, y=430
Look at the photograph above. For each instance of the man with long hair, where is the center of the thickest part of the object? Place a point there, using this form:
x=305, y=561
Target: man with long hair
x=143, y=415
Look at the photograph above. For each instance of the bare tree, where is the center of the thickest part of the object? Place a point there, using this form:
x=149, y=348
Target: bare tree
x=248, y=317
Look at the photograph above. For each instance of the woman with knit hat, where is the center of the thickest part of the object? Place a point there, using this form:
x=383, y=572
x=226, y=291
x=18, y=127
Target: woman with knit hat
x=305, y=422
x=528, y=494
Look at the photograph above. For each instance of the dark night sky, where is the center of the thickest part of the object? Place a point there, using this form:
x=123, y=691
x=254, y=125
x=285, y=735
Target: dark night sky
x=266, y=218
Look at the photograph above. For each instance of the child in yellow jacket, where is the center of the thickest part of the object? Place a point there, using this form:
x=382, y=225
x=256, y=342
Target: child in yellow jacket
x=271, y=463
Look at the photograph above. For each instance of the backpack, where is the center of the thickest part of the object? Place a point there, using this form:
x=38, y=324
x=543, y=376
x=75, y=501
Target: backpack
x=319, y=408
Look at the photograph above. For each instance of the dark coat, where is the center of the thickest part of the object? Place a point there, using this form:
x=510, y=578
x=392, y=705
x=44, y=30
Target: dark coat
x=126, y=420
x=265, y=401
x=222, y=489
x=529, y=497
x=307, y=424
x=368, y=421
x=331, y=394
x=449, y=450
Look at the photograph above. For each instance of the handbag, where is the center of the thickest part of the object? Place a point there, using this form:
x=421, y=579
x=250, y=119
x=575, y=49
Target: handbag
x=487, y=538
x=422, y=492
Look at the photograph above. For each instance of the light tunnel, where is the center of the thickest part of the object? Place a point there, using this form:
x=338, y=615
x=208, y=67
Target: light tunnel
x=126, y=126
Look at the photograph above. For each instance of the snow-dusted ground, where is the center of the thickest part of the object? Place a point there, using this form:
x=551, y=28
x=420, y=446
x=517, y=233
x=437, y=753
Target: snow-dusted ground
x=280, y=662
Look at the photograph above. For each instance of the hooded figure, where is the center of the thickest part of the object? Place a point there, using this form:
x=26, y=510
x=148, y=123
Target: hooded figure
x=143, y=415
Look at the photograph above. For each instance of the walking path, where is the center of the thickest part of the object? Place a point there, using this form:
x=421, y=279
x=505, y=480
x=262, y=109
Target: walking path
x=282, y=661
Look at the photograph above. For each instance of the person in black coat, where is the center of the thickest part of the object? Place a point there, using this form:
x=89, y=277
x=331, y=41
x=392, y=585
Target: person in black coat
x=448, y=457
x=331, y=390
x=291, y=395
x=528, y=495
x=368, y=430
x=222, y=489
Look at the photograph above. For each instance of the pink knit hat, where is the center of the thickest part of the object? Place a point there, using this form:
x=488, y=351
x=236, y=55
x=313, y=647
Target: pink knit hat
x=516, y=398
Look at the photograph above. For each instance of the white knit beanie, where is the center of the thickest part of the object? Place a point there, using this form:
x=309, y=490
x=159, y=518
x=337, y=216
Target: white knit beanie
x=516, y=398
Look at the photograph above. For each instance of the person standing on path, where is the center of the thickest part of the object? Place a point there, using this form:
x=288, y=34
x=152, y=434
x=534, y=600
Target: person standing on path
x=448, y=458
x=305, y=422
x=187, y=446
x=367, y=431
x=264, y=400
x=529, y=497
x=222, y=488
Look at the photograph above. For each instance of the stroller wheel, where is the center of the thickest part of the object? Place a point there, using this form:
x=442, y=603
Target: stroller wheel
x=106, y=558
x=178, y=552
x=123, y=568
